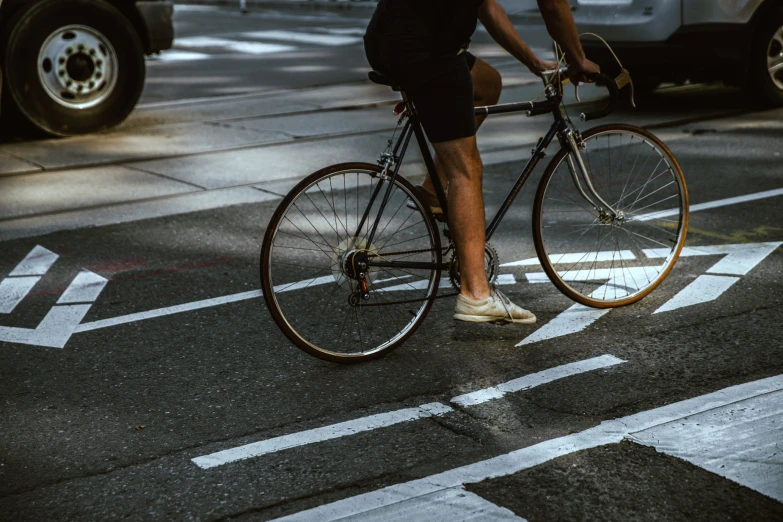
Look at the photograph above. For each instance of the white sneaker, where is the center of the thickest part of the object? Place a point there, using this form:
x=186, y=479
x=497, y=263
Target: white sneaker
x=496, y=307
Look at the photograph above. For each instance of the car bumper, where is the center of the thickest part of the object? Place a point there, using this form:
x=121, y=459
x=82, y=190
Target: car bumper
x=719, y=49
x=157, y=18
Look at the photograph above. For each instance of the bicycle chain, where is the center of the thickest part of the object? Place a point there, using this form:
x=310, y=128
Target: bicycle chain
x=444, y=251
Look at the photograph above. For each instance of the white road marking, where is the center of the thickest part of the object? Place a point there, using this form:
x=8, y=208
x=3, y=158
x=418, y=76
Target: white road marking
x=349, y=31
x=575, y=319
x=36, y=263
x=198, y=305
x=13, y=290
x=422, y=284
x=62, y=320
x=703, y=289
x=536, y=379
x=639, y=274
x=53, y=332
x=307, y=38
x=373, y=422
x=382, y=420
x=740, y=258
x=580, y=257
x=174, y=55
x=170, y=310
x=608, y=432
x=712, y=204
x=446, y=505
x=740, y=442
x=207, y=42
x=85, y=288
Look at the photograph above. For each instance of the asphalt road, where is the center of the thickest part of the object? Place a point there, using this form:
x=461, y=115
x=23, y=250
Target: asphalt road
x=142, y=377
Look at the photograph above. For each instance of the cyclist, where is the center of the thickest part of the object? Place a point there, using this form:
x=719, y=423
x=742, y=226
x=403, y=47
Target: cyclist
x=423, y=44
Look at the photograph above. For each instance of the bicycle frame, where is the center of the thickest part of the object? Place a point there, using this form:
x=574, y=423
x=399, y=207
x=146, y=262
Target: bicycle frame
x=391, y=162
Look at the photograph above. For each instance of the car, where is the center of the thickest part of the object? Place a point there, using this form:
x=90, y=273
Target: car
x=739, y=42
x=73, y=67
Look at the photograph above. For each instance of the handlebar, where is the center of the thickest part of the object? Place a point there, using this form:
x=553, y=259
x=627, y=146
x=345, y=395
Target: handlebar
x=561, y=75
x=603, y=80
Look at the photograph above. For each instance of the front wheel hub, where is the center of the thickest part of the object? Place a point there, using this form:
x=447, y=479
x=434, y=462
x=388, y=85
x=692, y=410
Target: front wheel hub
x=78, y=66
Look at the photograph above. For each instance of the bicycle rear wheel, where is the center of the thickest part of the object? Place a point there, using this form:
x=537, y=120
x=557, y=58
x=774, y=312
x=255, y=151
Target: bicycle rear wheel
x=309, y=285
x=597, y=260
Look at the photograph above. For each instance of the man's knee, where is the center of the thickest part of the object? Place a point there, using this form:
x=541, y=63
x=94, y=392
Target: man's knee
x=487, y=83
x=460, y=159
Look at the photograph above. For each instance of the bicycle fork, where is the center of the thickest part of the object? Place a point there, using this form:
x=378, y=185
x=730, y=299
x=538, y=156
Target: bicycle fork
x=577, y=167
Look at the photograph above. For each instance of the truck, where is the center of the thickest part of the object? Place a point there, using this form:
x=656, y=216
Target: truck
x=72, y=67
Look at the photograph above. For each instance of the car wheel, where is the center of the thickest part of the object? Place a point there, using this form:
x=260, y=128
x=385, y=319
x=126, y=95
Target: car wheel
x=766, y=70
x=73, y=66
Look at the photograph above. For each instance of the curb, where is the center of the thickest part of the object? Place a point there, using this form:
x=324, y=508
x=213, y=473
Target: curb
x=332, y=5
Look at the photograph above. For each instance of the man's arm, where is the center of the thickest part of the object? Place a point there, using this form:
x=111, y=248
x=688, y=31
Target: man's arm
x=560, y=24
x=500, y=28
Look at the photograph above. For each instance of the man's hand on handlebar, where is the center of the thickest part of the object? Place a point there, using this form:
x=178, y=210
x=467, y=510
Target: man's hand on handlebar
x=542, y=65
x=578, y=72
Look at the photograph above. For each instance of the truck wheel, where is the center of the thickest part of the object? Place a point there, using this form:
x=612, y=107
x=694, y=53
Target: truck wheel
x=766, y=61
x=73, y=66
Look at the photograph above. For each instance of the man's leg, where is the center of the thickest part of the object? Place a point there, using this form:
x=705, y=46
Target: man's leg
x=487, y=85
x=460, y=159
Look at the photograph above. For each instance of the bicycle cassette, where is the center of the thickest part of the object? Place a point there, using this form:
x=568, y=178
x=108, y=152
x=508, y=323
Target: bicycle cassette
x=491, y=265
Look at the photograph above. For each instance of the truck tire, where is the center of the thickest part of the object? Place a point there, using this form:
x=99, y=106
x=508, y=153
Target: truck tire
x=73, y=66
x=766, y=60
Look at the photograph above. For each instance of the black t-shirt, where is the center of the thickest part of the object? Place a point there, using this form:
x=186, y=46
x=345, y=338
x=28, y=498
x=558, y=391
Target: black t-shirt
x=423, y=26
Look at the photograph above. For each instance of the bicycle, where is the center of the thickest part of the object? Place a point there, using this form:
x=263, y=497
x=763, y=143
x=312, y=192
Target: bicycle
x=343, y=251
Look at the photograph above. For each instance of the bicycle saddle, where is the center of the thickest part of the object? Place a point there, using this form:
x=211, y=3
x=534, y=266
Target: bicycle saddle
x=383, y=79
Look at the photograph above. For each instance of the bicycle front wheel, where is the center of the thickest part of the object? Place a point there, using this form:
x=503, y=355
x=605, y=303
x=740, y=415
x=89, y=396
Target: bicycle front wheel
x=308, y=274
x=604, y=261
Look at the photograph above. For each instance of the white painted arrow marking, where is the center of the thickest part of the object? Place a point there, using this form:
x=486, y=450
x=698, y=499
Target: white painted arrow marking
x=84, y=289
x=13, y=290
x=62, y=320
x=36, y=263
x=24, y=277
x=739, y=260
x=703, y=289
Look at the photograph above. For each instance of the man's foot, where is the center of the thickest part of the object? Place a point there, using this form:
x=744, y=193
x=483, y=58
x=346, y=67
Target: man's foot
x=429, y=199
x=496, y=307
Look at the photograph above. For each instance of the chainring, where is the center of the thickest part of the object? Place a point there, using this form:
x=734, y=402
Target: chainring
x=491, y=265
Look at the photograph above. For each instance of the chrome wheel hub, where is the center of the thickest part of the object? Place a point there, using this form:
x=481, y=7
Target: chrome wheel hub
x=77, y=67
x=775, y=58
x=345, y=253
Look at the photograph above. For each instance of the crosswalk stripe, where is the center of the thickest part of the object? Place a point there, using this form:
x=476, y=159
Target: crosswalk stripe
x=239, y=46
x=306, y=38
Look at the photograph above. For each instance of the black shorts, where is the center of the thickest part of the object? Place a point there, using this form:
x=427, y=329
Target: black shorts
x=441, y=89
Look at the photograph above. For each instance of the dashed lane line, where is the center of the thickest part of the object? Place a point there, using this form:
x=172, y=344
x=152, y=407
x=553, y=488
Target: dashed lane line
x=536, y=379
x=383, y=420
x=608, y=432
x=334, y=431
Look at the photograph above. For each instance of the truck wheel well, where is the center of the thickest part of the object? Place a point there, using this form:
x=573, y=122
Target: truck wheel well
x=126, y=7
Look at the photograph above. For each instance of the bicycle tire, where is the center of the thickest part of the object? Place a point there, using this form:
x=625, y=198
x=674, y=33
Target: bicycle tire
x=635, y=258
x=282, y=314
